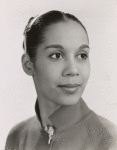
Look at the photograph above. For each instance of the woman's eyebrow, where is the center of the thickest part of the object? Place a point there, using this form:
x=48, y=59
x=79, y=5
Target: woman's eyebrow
x=54, y=46
x=84, y=46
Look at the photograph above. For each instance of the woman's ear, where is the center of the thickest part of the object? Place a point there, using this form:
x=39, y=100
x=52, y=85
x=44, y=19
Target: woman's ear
x=27, y=65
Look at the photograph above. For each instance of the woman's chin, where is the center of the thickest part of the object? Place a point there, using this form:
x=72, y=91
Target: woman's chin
x=68, y=101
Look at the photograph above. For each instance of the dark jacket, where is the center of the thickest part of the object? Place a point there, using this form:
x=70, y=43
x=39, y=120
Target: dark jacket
x=76, y=128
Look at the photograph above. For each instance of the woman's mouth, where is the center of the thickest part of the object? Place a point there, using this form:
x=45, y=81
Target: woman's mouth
x=69, y=88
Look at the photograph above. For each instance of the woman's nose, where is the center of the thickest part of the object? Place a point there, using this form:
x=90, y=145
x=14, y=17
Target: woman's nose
x=71, y=68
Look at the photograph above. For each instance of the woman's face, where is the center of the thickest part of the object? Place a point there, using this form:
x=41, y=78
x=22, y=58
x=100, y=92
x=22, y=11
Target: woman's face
x=62, y=65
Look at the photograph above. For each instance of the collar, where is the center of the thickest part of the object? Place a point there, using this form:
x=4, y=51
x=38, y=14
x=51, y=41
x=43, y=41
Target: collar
x=66, y=116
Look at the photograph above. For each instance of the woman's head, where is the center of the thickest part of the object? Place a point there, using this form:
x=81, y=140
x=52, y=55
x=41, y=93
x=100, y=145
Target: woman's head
x=57, y=48
x=37, y=26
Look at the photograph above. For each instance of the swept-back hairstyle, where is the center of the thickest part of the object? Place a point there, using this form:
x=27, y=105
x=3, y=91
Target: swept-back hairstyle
x=37, y=27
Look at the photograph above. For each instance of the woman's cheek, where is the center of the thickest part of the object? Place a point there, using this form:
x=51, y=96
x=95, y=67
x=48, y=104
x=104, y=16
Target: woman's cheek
x=86, y=71
x=54, y=70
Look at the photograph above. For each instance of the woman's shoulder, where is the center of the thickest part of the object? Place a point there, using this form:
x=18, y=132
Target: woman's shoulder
x=20, y=130
x=25, y=125
x=103, y=131
x=97, y=120
x=111, y=128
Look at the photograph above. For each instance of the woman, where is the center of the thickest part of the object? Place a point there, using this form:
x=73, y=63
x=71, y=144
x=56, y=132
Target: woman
x=57, y=57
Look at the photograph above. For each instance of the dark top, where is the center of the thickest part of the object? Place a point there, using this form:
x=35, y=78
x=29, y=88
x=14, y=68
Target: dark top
x=76, y=127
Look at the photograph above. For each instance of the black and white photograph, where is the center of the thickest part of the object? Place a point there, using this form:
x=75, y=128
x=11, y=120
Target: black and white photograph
x=58, y=81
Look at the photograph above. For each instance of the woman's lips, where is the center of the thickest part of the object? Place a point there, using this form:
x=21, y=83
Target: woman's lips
x=69, y=88
x=69, y=85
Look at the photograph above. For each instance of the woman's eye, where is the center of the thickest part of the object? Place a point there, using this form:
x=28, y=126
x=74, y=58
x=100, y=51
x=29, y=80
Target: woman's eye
x=56, y=56
x=83, y=56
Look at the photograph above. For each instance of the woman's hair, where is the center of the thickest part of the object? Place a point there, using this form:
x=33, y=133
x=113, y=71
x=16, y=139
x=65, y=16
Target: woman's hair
x=37, y=26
